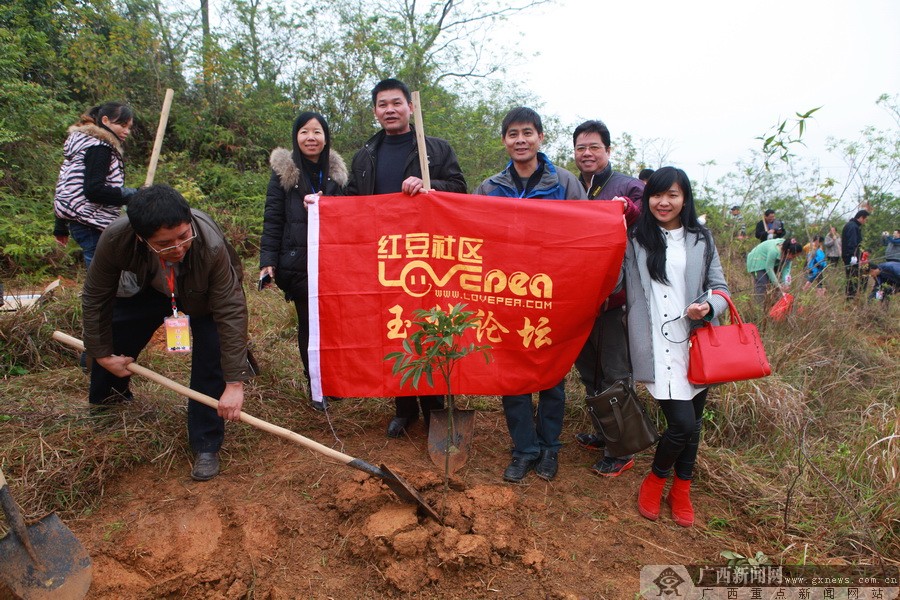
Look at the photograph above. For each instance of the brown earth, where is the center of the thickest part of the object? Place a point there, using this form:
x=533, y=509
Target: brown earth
x=284, y=522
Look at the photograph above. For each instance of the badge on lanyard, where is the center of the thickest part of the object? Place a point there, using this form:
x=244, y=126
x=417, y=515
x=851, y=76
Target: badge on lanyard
x=178, y=326
x=178, y=333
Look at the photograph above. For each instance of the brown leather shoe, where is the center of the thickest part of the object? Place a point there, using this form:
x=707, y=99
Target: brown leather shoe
x=206, y=466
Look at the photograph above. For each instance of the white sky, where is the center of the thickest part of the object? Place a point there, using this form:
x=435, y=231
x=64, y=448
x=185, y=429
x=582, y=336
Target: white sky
x=709, y=76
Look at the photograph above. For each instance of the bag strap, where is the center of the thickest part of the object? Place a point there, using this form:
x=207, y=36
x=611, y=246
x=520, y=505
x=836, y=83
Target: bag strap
x=735, y=316
x=598, y=368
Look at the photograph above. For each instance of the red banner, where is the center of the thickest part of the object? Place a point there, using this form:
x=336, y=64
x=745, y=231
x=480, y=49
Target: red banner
x=534, y=271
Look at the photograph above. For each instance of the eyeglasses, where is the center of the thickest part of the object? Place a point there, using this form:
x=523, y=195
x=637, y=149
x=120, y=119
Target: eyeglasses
x=592, y=148
x=174, y=247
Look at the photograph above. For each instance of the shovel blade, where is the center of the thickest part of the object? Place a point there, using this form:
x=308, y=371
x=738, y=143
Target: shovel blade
x=64, y=569
x=408, y=493
x=449, y=444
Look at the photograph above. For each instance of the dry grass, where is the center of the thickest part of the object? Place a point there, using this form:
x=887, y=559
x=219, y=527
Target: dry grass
x=807, y=459
x=809, y=456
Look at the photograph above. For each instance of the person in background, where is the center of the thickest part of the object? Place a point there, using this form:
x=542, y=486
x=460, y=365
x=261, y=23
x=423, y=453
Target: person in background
x=887, y=280
x=644, y=175
x=530, y=174
x=815, y=264
x=389, y=163
x=769, y=227
x=181, y=262
x=770, y=264
x=593, y=143
x=671, y=263
x=891, y=243
x=833, y=247
x=737, y=222
x=851, y=239
x=312, y=167
x=90, y=190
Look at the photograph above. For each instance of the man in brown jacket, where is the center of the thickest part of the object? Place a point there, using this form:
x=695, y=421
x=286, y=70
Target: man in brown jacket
x=161, y=258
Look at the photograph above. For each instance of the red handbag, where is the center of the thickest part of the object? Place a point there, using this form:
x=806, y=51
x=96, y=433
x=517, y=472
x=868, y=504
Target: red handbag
x=723, y=353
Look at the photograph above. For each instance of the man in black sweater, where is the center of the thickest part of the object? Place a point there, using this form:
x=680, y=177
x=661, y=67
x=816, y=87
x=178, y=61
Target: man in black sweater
x=389, y=163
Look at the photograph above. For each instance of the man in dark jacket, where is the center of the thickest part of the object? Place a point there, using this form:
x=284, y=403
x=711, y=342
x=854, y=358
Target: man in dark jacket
x=389, y=163
x=769, y=227
x=851, y=240
x=530, y=174
x=175, y=259
x=593, y=143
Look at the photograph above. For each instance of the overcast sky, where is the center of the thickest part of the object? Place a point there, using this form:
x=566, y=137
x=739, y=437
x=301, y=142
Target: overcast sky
x=709, y=76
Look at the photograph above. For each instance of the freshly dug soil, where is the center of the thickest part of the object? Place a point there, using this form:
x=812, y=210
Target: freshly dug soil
x=283, y=522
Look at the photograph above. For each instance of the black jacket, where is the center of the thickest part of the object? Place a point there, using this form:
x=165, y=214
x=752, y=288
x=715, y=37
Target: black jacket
x=283, y=243
x=851, y=238
x=762, y=233
x=443, y=166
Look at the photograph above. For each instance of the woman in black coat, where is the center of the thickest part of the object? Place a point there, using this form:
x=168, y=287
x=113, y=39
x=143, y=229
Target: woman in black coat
x=311, y=168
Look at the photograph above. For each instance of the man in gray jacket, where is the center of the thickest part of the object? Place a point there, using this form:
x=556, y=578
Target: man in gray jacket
x=178, y=260
x=592, y=143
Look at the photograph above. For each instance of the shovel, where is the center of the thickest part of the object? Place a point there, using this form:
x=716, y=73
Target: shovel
x=40, y=561
x=450, y=436
x=398, y=485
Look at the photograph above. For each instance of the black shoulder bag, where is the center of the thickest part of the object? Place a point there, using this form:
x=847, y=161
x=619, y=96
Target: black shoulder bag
x=620, y=416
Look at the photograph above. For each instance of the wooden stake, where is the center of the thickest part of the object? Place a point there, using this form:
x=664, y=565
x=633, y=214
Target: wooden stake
x=160, y=132
x=420, y=142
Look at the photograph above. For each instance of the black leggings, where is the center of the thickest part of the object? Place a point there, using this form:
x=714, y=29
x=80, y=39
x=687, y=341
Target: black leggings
x=679, y=443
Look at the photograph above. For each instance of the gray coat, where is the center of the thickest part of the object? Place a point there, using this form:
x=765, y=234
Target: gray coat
x=637, y=278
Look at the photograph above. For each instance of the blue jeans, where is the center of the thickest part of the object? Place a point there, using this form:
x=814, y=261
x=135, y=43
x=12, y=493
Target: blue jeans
x=531, y=435
x=86, y=237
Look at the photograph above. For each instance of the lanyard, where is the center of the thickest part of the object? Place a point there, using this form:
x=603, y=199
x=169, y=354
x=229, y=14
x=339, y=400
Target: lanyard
x=315, y=190
x=170, y=279
x=599, y=189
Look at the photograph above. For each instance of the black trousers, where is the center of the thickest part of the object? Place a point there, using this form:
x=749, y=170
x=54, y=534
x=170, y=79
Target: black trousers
x=135, y=320
x=852, y=273
x=302, y=307
x=408, y=406
x=679, y=443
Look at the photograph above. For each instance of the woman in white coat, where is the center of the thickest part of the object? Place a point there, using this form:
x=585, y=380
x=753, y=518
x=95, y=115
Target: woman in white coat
x=670, y=264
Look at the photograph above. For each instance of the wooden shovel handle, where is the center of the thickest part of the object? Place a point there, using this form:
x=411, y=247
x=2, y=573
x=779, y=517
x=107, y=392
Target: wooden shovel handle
x=213, y=403
x=420, y=142
x=160, y=132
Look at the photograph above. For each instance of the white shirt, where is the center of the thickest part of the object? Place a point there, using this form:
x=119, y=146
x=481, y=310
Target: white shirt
x=667, y=302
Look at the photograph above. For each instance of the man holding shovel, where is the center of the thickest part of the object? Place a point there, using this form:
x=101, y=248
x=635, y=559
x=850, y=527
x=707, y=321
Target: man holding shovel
x=389, y=163
x=186, y=275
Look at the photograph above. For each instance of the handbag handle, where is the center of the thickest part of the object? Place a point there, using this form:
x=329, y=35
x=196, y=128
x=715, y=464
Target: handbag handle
x=734, y=317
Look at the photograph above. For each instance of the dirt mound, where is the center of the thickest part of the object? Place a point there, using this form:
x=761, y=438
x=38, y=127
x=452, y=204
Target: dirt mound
x=283, y=522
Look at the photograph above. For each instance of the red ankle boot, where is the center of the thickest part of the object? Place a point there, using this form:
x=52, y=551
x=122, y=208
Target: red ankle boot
x=650, y=496
x=679, y=499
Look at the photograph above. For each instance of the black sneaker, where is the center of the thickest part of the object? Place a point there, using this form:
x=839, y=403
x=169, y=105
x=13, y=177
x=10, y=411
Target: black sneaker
x=610, y=466
x=590, y=441
x=518, y=469
x=547, y=465
x=320, y=406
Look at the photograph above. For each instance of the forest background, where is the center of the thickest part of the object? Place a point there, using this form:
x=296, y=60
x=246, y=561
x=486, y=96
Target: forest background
x=830, y=416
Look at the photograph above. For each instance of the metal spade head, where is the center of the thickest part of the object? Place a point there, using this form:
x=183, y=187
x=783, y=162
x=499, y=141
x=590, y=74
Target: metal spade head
x=450, y=440
x=407, y=492
x=62, y=570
